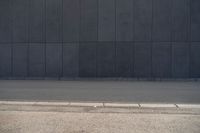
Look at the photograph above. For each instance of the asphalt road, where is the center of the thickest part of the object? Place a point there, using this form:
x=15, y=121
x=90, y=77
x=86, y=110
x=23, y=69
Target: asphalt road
x=99, y=91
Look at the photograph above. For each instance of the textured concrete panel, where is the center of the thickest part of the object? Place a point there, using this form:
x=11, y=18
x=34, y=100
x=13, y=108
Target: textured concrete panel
x=5, y=60
x=142, y=20
x=106, y=24
x=89, y=19
x=124, y=59
x=70, y=60
x=5, y=21
x=105, y=59
x=161, y=20
x=124, y=20
x=142, y=60
x=180, y=20
x=20, y=60
x=53, y=60
x=53, y=20
x=37, y=21
x=36, y=60
x=180, y=60
x=195, y=60
x=20, y=20
x=195, y=20
x=161, y=60
x=71, y=20
x=87, y=60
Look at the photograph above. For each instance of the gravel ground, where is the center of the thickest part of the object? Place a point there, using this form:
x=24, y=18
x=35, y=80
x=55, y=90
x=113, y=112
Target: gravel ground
x=82, y=122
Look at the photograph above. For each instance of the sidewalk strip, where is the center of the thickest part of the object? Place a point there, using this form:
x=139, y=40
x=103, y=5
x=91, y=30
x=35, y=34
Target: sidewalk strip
x=84, y=104
x=100, y=104
x=189, y=106
x=158, y=106
x=125, y=105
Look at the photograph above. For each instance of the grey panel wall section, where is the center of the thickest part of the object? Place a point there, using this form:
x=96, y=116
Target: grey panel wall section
x=71, y=20
x=53, y=20
x=180, y=60
x=142, y=60
x=161, y=60
x=142, y=20
x=162, y=20
x=5, y=21
x=70, y=60
x=5, y=60
x=36, y=60
x=106, y=20
x=99, y=38
x=124, y=59
x=124, y=20
x=53, y=60
x=20, y=58
x=195, y=60
x=180, y=20
x=20, y=20
x=89, y=19
x=37, y=21
x=106, y=59
x=195, y=20
x=87, y=59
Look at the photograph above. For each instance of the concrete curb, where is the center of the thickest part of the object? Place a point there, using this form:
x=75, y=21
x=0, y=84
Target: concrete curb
x=101, y=104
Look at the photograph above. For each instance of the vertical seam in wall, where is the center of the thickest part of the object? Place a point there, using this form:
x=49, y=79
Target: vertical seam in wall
x=45, y=47
x=152, y=10
x=115, y=43
x=79, y=37
x=96, y=44
x=28, y=47
x=133, y=45
x=190, y=40
x=12, y=30
x=171, y=34
x=62, y=36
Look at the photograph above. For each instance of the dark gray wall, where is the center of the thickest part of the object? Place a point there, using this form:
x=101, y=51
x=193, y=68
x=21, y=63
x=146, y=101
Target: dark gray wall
x=99, y=38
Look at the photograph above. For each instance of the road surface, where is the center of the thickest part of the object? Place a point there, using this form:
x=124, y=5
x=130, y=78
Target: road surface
x=100, y=91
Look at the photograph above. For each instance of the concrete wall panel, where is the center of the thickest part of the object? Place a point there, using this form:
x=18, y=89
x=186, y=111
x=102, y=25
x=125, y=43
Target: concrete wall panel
x=142, y=60
x=142, y=20
x=20, y=61
x=5, y=60
x=105, y=59
x=36, y=60
x=180, y=60
x=70, y=60
x=87, y=59
x=161, y=60
x=124, y=59
x=180, y=20
x=37, y=21
x=124, y=20
x=20, y=20
x=71, y=20
x=195, y=20
x=53, y=60
x=195, y=57
x=162, y=20
x=5, y=21
x=106, y=24
x=53, y=20
x=89, y=20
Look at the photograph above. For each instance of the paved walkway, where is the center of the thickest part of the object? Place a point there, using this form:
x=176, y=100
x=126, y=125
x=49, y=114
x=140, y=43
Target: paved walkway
x=101, y=91
x=17, y=117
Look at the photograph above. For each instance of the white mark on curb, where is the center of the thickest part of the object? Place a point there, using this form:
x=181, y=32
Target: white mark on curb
x=158, y=106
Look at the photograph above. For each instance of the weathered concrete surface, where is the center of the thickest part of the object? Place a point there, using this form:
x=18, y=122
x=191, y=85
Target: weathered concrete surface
x=98, y=91
x=67, y=122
